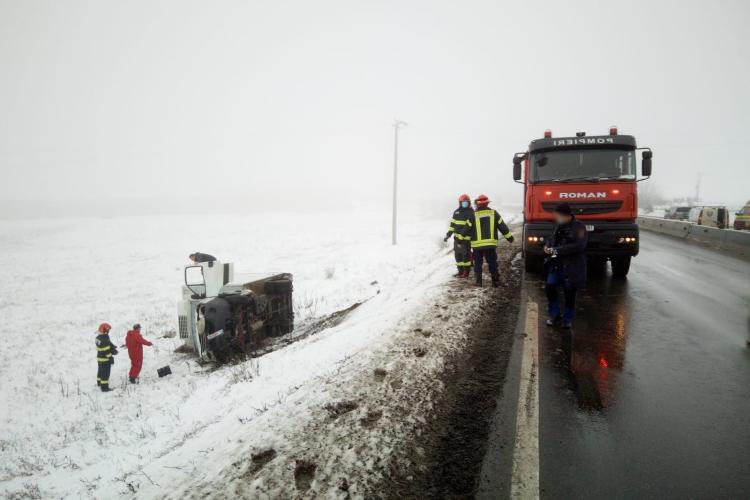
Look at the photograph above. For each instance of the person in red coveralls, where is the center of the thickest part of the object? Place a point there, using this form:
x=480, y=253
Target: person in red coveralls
x=135, y=342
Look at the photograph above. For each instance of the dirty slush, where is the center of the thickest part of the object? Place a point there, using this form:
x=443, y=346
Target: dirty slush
x=409, y=419
x=456, y=433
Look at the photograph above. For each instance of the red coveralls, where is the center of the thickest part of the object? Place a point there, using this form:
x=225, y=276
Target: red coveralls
x=135, y=343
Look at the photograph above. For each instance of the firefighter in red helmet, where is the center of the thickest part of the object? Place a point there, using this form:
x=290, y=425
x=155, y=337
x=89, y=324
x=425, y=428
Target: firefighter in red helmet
x=460, y=229
x=105, y=352
x=487, y=223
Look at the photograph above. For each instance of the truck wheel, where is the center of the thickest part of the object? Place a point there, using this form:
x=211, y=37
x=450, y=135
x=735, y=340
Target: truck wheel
x=533, y=264
x=620, y=266
x=597, y=266
x=278, y=287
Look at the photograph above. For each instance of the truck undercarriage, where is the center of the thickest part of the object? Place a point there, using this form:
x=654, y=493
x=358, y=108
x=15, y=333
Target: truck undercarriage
x=222, y=316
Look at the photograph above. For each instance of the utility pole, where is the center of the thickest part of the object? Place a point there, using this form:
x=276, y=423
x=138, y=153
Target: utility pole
x=397, y=124
x=698, y=189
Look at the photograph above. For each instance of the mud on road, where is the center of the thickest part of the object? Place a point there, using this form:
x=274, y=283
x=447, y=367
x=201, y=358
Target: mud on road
x=456, y=433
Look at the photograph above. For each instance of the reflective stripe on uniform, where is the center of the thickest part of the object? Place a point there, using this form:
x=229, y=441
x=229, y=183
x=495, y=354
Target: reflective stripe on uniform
x=507, y=235
x=105, y=348
x=461, y=237
x=104, y=359
x=104, y=382
x=461, y=222
x=482, y=240
x=464, y=264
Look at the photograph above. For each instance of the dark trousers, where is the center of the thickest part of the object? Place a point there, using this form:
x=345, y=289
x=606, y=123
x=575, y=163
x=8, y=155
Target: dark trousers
x=462, y=253
x=102, y=373
x=488, y=254
x=552, y=289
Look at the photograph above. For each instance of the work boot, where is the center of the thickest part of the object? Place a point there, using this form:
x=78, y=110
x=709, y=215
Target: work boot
x=478, y=280
x=132, y=380
x=495, y=280
x=464, y=273
x=459, y=273
x=554, y=321
x=105, y=388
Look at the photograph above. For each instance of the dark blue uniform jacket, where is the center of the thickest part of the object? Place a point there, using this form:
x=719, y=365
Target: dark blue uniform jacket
x=570, y=242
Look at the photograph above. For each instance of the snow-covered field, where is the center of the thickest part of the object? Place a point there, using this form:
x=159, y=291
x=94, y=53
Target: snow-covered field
x=61, y=437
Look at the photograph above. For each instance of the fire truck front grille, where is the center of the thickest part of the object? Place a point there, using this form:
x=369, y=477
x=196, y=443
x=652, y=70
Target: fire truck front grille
x=182, y=321
x=586, y=207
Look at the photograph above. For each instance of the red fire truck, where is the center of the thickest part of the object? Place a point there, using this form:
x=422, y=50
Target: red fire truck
x=597, y=176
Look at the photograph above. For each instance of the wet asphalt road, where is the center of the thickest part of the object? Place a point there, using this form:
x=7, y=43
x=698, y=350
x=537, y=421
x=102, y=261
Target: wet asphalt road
x=650, y=394
x=649, y=397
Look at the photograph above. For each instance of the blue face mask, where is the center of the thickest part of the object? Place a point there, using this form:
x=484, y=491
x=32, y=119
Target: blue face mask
x=464, y=204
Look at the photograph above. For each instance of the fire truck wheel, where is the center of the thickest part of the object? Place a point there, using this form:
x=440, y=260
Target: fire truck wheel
x=620, y=266
x=533, y=264
x=597, y=266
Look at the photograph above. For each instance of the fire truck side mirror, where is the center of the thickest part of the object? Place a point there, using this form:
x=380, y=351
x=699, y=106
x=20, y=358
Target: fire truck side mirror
x=517, y=168
x=646, y=163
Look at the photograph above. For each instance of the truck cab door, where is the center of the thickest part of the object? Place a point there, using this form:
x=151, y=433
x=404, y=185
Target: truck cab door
x=195, y=280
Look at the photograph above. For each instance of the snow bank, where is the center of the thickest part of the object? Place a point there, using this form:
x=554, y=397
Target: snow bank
x=62, y=437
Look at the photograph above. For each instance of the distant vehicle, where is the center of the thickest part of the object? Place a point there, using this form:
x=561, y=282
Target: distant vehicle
x=677, y=213
x=710, y=216
x=742, y=218
x=222, y=314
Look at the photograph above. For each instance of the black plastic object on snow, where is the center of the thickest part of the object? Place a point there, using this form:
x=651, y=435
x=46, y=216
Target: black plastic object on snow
x=164, y=371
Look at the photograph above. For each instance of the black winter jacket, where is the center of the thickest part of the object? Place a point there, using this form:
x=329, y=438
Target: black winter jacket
x=105, y=349
x=569, y=241
x=461, y=223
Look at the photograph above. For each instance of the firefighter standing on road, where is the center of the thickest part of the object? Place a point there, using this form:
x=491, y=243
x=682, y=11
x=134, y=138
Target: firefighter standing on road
x=105, y=352
x=565, y=265
x=135, y=342
x=487, y=223
x=461, y=230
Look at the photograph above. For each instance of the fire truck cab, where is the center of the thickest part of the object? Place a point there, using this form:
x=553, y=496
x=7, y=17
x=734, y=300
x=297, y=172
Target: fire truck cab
x=597, y=176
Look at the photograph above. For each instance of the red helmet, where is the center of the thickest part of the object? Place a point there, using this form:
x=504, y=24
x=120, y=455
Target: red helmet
x=482, y=200
x=105, y=327
x=464, y=197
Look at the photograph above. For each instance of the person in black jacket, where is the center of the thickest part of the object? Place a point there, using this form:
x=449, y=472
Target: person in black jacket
x=460, y=228
x=105, y=352
x=565, y=265
x=198, y=257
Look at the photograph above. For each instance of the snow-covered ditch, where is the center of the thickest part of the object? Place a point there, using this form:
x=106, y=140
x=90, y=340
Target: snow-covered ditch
x=60, y=437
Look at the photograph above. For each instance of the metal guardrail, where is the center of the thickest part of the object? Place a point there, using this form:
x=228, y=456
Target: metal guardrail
x=734, y=242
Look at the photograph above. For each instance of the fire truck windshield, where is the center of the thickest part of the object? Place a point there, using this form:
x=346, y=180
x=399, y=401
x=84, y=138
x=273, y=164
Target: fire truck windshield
x=584, y=165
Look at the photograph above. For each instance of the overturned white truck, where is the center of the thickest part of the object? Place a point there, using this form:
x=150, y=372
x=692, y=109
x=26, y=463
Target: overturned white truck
x=223, y=314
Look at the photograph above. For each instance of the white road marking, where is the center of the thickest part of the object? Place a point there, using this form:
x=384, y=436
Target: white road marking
x=525, y=478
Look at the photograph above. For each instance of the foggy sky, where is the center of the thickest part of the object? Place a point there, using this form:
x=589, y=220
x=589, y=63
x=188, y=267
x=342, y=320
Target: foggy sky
x=294, y=99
